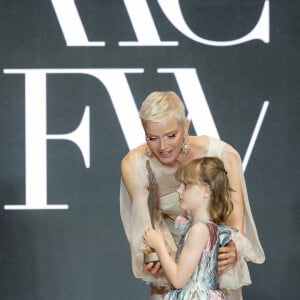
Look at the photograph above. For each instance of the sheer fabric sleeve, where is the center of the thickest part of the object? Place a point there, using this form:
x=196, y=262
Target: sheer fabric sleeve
x=237, y=276
x=248, y=244
x=250, y=231
x=135, y=218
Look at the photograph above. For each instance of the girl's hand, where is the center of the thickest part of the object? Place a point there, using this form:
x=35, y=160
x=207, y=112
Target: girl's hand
x=152, y=235
x=227, y=256
x=153, y=238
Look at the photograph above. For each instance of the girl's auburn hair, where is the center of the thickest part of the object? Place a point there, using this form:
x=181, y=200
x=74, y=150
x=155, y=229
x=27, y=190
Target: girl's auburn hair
x=210, y=171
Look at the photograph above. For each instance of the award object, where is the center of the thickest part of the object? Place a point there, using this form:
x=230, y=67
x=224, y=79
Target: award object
x=152, y=206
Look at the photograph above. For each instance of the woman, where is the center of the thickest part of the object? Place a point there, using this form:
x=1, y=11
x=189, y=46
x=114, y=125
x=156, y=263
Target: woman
x=168, y=146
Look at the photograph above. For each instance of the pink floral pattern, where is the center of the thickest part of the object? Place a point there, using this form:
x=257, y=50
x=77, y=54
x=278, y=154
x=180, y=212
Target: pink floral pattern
x=203, y=283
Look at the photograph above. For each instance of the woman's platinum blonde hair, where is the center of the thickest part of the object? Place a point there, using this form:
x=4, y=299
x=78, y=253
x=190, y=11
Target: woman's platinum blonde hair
x=162, y=105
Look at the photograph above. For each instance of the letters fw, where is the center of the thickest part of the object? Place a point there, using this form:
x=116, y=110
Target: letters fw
x=115, y=81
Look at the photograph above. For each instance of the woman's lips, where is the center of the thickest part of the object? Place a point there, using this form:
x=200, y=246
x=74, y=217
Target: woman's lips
x=165, y=154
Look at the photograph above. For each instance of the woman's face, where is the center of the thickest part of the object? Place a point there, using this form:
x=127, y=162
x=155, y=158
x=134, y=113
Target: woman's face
x=165, y=139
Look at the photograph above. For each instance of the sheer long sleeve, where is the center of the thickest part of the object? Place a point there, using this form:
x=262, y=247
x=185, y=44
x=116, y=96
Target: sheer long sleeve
x=136, y=218
x=222, y=150
x=238, y=275
x=248, y=245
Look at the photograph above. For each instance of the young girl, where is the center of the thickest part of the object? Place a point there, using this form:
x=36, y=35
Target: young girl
x=205, y=194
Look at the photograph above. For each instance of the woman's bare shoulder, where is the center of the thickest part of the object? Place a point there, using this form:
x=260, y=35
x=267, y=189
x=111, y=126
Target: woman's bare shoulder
x=199, y=140
x=133, y=170
x=199, y=145
x=131, y=157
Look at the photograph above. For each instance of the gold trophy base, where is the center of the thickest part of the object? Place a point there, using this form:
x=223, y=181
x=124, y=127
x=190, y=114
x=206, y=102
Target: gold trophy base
x=150, y=257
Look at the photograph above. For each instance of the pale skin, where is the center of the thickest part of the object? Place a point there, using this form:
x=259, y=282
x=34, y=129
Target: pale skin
x=165, y=140
x=179, y=273
x=194, y=198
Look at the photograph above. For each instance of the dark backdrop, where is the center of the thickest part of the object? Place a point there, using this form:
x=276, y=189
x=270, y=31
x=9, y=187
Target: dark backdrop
x=81, y=252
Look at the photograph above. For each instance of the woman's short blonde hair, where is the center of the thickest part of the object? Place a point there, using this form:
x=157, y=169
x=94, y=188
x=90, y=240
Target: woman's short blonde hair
x=162, y=105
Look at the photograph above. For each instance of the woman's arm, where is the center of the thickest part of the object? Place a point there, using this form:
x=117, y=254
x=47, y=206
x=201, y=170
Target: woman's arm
x=179, y=274
x=135, y=215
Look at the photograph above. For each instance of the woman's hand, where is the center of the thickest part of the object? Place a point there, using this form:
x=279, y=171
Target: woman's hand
x=227, y=256
x=153, y=267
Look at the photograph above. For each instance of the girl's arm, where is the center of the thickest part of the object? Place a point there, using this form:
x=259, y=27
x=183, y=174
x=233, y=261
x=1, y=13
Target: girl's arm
x=179, y=273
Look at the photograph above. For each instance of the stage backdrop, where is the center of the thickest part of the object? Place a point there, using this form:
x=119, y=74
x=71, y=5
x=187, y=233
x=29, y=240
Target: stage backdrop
x=73, y=76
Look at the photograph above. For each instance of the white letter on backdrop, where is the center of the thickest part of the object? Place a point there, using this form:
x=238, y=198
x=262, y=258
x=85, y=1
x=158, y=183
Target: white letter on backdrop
x=195, y=100
x=117, y=86
x=71, y=25
x=261, y=31
x=198, y=109
x=143, y=25
x=36, y=139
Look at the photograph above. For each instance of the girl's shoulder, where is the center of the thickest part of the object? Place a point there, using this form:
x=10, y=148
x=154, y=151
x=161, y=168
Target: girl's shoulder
x=198, y=230
x=197, y=236
x=225, y=233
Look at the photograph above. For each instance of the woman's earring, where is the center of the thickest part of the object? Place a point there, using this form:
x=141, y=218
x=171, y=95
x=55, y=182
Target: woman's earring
x=148, y=151
x=185, y=146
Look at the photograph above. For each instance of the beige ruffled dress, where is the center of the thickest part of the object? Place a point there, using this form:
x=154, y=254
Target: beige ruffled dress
x=135, y=218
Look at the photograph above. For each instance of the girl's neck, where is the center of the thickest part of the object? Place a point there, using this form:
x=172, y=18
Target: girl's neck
x=200, y=216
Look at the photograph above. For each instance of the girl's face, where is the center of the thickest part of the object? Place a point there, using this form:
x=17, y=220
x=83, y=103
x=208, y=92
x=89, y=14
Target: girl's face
x=165, y=139
x=191, y=196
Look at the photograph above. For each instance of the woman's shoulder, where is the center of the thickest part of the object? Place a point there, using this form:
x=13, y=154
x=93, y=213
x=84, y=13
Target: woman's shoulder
x=134, y=155
x=205, y=145
x=133, y=166
x=215, y=146
x=199, y=144
x=135, y=152
x=206, y=141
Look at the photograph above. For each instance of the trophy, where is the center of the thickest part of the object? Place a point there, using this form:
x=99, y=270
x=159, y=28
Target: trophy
x=152, y=203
